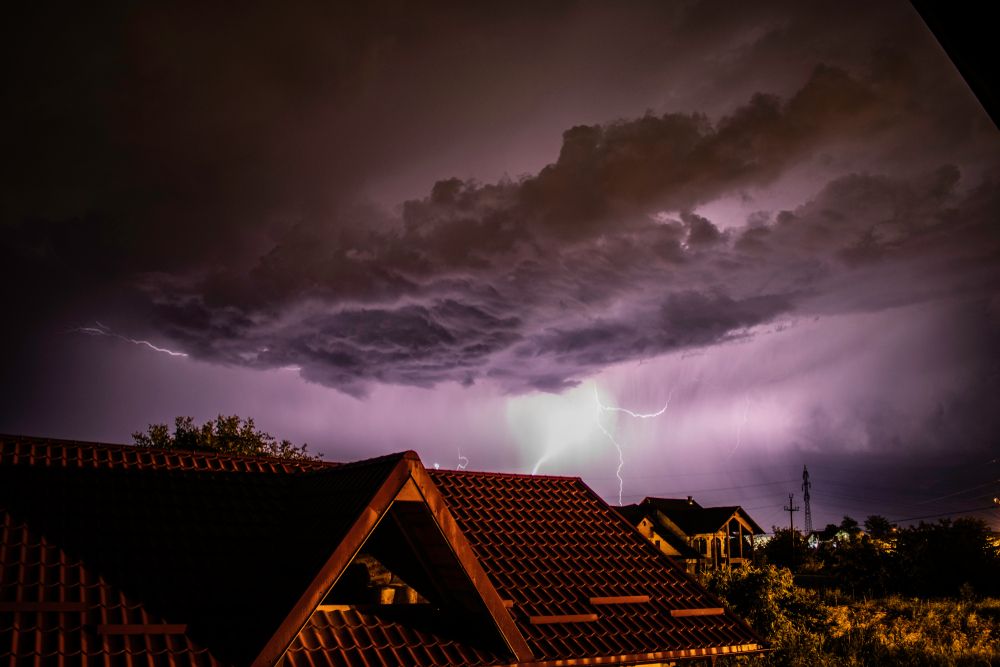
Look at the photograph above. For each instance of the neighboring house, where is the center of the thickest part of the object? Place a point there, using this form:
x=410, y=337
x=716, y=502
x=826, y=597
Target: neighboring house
x=116, y=555
x=670, y=542
x=714, y=536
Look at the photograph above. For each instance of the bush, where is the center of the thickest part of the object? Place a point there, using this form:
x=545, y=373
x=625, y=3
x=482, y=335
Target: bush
x=804, y=629
x=792, y=620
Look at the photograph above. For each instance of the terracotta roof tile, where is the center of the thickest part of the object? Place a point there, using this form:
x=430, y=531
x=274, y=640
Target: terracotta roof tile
x=550, y=544
x=222, y=544
x=404, y=635
x=25, y=450
x=36, y=576
x=215, y=550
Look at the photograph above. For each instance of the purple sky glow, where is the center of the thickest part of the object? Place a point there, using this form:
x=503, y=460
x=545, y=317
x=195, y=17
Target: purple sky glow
x=463, y=229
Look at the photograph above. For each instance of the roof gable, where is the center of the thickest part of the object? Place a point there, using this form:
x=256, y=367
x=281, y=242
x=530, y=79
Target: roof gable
x=693, y=519
x=636, y=514
x=417, y=511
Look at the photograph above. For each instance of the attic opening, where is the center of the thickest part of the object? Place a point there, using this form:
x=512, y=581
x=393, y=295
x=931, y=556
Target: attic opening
x=407, y=572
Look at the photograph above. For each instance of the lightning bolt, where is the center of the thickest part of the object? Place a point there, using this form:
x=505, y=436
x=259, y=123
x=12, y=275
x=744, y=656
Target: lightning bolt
x=461, y=465
x=102, y=330
x=739, y=429
x=601, y=408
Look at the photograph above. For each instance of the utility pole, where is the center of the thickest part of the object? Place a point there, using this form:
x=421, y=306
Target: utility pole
x=791, y=509
x=806, y=485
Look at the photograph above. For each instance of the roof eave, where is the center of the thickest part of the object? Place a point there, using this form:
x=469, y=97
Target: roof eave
x=641, y=658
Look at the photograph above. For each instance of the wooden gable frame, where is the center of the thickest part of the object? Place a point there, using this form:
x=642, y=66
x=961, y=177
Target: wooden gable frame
x=409, y=482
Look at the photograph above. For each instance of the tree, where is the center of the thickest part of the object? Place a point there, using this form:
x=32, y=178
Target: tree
x=792, y=619
x=829, y=533
x=226, y=435
x=878, y=527
x=850, y=526
x=779, y=549
x=938, y=559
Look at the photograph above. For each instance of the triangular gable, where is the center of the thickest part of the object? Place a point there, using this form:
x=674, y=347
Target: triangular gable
x=417, y=500
x=748, y=520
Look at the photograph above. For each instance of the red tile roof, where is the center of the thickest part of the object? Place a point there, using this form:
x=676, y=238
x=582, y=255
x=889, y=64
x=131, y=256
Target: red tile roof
x=24, y=450
x=193, y=558
x=223, y=546
x=694, y=519
x=53, y=608
x=551, y=544
x=406, y=635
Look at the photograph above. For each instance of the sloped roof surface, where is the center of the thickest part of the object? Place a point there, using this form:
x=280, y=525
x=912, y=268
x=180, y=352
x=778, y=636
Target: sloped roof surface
x=23, y=450
x=664, y=504
x=223, y=545
x=693, y=518
x=215, y=551
x=52, y=608
x=550, y=544
x=397, y=636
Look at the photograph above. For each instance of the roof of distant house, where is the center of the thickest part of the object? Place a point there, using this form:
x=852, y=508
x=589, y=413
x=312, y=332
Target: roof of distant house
x=133, y=554
x=694, y=519
x=636, y=513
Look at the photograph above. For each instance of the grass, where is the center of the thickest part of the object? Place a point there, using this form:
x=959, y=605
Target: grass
x=805, y=628
x=906, y=631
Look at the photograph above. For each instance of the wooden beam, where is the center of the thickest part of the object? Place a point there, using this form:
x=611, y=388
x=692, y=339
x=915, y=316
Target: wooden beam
x=620, y=599
x=648, y=658
x=462, y=549
x=335, y=565
x=704, y=611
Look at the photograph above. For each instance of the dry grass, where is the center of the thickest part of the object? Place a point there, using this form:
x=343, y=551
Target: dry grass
x=806, y=629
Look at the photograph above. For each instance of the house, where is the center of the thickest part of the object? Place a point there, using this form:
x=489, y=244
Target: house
x=120, y=555
x=672, y=543
x=702, y=538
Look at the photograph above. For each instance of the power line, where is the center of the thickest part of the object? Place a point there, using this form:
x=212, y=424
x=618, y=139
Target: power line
x=958, y=493
x=934, y=516
x=725, y=488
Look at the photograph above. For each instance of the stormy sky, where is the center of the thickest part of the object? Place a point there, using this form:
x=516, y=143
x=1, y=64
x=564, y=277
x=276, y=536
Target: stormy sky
x=767, y=232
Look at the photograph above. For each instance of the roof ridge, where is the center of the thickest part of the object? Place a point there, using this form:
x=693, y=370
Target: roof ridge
x=382, y=458
x=176, y=451
x=491, y=473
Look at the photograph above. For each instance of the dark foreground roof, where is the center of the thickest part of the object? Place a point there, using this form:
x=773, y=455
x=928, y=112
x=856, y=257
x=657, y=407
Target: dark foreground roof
x=129, y=556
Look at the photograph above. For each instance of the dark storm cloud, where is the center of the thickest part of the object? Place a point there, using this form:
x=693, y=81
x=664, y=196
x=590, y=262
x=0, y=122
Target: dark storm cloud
x=200, y=172
x=685, y=319
x=540, y=282
x=677, y=161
